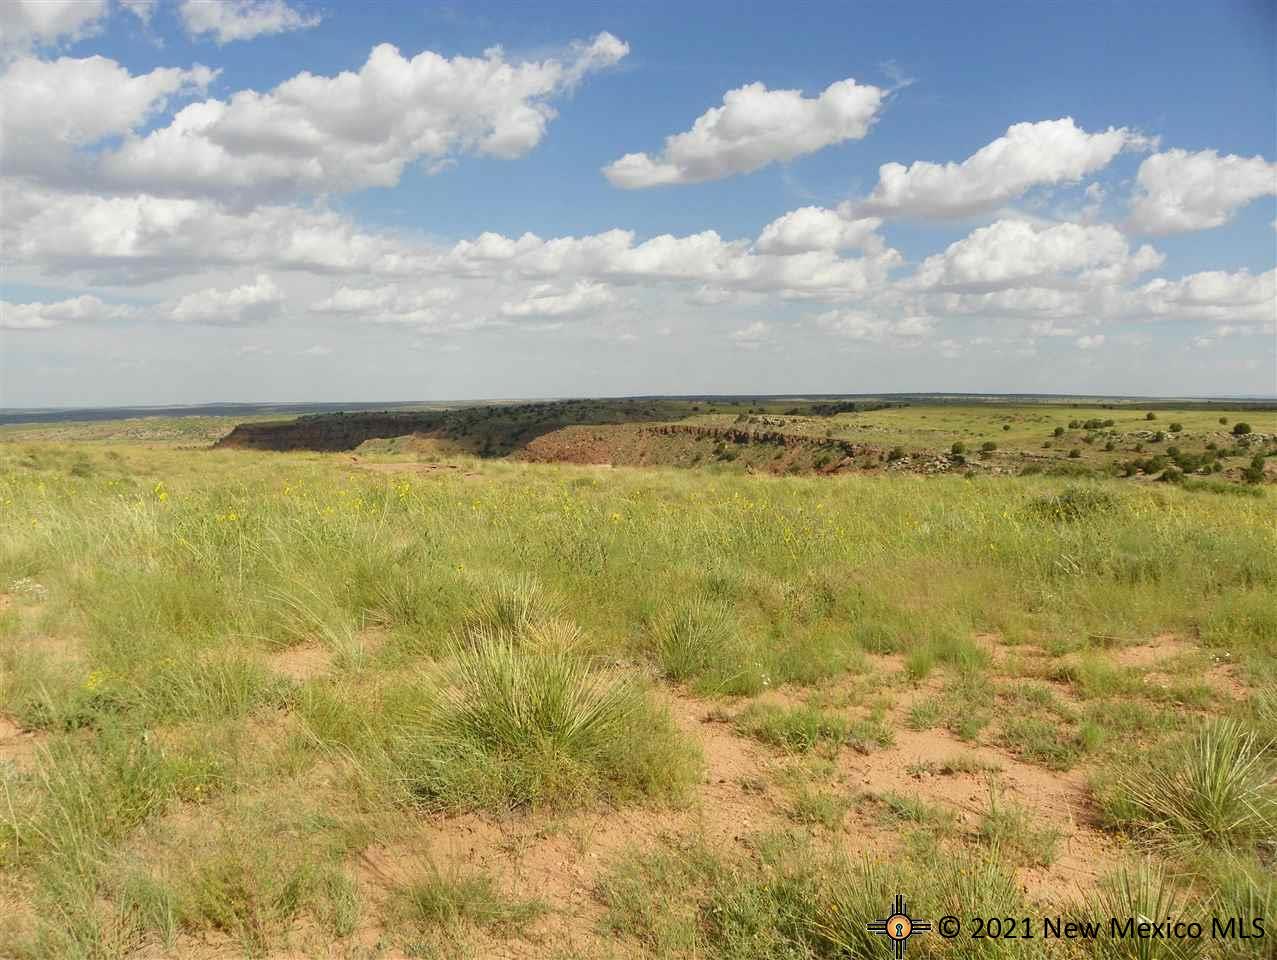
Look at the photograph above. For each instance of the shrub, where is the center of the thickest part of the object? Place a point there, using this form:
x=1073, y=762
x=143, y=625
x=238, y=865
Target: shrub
x=1006, y=426
x=988, y=446
x=896, y=453
x=1224, y=421
x=1241, y=428
x=1057, y=432
x=1255, y=472
x=958, y=448
x=1075, y=503
x=1214, y=790
x=1075, y=454
x=1176, y=427
x=1150, y=415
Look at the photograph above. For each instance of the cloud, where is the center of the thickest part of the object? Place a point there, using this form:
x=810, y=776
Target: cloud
x=1049, y=152
x=46, y=316
x=55, y=107
x=31, y=23
x=254, y=302
x=139, y=239
x=863, y=326
x=546, y=300
x=142, y=9
x=315, y=134
x=317, y=350
x=1179, y=191
x=1214, y=295
x=753, y=336
x=1019, y=253
x=393, y=304
x=814, y=228
x=228, y=20
x=1090, y=342
x=753, y=128
x=142, y=239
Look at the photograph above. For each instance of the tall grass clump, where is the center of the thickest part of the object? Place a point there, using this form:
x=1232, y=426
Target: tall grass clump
x=701, y=643
x=800, y=728
x=1214, y=790
x=511, y=727
x=1075, y=503
x=509, y=605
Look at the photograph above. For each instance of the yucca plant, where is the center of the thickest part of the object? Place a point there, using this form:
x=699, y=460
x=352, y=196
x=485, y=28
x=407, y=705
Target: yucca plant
x=1217, y=792
x=1144, y=894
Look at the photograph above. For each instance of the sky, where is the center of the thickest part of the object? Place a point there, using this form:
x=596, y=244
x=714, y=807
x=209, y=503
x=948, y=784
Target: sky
x=287, y=200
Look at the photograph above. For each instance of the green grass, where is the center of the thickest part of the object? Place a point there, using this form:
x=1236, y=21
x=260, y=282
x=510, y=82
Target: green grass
x=448, y=903
x=502, y=647
x=797, y=728
x=1015, y=832
x=507, y=727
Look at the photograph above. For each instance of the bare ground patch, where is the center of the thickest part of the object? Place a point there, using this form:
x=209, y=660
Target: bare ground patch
x=18, y=746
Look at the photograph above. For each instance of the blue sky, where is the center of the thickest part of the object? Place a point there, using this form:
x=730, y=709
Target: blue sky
x=200, y=209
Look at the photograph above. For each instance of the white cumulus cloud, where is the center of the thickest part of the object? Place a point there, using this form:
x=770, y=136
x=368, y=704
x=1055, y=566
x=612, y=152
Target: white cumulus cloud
x=1214, y=295
x=815, y=228
x=227, y=20
x=54, y=107
x=753, y=128
x=752, y=336
x=1177, y=191
x=314, y=133
x=1020, y=253
x=46, y=316
x=1029, y=154
x=29, y=23
x=546, y=300
x=875, y=328
x=254, y=302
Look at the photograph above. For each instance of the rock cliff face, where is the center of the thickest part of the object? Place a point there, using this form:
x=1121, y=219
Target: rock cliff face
x=775, y=437
x=329, y=432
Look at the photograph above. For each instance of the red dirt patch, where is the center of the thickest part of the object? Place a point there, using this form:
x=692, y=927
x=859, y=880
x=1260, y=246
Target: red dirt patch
x=18, y=746
x=302, y=662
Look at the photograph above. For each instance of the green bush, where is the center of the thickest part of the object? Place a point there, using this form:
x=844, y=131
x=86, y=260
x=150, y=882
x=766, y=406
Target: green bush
x=1241, y=428
x=1075, y=503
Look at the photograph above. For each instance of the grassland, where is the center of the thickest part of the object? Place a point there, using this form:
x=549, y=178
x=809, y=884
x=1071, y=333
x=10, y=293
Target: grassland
x=282, y=704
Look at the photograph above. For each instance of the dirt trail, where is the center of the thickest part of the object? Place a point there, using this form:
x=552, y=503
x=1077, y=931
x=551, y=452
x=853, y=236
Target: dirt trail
x=407, y=467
